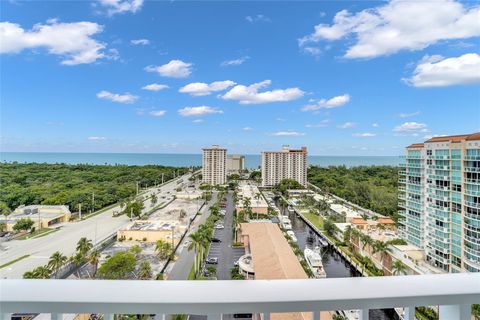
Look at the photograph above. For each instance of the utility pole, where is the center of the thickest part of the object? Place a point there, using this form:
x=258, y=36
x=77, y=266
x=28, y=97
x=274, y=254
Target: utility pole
x=80, y=211
x=137, y=187
x=162, y=177
x=173, y=243
x=93, y=202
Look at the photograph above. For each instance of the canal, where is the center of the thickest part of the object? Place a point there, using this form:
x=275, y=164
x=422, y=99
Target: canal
x=334, y=264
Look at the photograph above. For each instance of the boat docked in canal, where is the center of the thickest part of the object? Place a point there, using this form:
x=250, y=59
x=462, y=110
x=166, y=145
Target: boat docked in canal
x=314, y=261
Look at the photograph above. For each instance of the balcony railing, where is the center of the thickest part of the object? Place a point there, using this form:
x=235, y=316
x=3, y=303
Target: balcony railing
x=454, y=293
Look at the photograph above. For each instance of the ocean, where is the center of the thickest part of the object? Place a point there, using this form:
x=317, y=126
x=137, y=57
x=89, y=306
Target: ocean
x=179, y=160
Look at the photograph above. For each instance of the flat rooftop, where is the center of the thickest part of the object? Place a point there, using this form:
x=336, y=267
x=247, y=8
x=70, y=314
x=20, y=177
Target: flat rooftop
x=155, y=225
x=339, y=208
x=273, y=258
x=251, y=191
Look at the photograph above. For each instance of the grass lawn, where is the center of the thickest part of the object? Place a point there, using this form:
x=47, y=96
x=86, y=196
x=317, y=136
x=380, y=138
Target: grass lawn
x=315, y=219
x=13, y=261
x=35, y=234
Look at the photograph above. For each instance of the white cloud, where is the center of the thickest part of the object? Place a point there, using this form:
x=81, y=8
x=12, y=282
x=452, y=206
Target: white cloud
x=250, y=95
x=115, y=97
x=314, y=51
x=411, y=127
x=155, y=87
x=334, y=102
x=142, y=42
x=96, y=138
x=258, y=18
x=364, y=135
x=71, y=41
x=436, y=71
x=121, y=6
x=347, y=125
x=205, y=89
x=235, y=62
x=409, y=115
x=375, y=125
x=198, y=111
x=399, y=25
x=173, y=69
x=197, y=121
x=158, y=113
x=247, y=129
x=288, y=134
x=322, y=124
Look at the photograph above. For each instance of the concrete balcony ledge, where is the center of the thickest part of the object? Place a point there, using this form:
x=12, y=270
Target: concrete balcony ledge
x=227, y=297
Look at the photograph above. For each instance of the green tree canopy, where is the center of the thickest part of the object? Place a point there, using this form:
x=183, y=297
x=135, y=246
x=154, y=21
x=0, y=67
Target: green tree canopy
x=118, y=266
x=23, y=224
x=288, y=184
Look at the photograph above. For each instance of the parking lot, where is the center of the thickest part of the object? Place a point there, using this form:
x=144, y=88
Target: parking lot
x=223, y=252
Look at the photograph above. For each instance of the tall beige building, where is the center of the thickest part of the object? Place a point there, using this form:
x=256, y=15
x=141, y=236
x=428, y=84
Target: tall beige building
x=285, y=164
x=214, y=165
x=235, y=163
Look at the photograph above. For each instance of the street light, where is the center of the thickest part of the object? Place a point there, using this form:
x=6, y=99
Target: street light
x=173, y=243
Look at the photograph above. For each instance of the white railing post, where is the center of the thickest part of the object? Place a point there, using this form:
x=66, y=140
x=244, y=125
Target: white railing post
x=455, y=312
x=316, y=315
x=409, y=313
x=214, y=317
x=108, y=316
x=363, y=313
x=56, y=316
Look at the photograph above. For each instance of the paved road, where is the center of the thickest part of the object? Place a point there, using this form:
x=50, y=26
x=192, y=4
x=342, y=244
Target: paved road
x=65, y=240
x=225, y=258
x=181, y=268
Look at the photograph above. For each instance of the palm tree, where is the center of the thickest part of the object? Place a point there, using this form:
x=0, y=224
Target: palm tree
x=196, y=243
x=77, y=259
x=398, y=268
x=382, y=248
x=366, y=241
x=247, y=203
x=364, y=216
x=93, y=259
x=347, y=234
x=42, y=272
x=57, y=260
x=84, y=245
x=145, y=270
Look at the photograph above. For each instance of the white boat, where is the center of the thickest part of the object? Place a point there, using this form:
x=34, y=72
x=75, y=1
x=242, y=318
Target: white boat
x=291, y=234
x=286, y=223
x=323, y=242
x=314, y=260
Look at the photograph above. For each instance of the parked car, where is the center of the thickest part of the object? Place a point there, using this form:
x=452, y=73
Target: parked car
x=211, y=260
x=219, y=226
x=216, y=240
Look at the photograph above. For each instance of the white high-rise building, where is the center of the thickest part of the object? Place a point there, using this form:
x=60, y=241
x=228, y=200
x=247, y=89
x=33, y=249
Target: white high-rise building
x=214, y=165
x=285, y=164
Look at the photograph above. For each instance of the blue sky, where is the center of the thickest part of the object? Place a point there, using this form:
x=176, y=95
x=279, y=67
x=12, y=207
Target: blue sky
x=342, y=78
